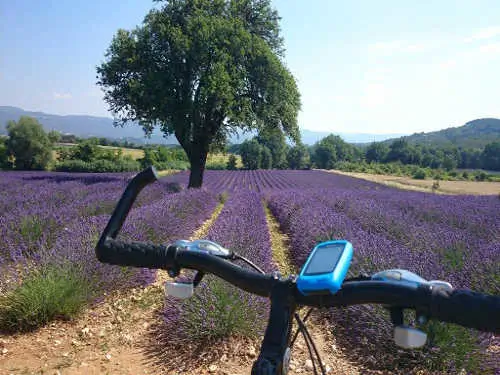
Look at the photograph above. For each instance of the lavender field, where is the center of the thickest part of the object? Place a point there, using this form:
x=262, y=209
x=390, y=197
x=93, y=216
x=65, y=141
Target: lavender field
x=49, y=219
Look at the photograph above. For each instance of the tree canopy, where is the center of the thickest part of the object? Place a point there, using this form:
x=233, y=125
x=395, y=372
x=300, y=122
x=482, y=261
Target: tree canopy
x=201, y=69
x=29, y=144
x=330, y=150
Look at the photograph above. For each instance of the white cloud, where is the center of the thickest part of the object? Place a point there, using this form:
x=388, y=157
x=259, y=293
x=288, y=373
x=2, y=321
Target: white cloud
x=482, y=34
x=62, y=95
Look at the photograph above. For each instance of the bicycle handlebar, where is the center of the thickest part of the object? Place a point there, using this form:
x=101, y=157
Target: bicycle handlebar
x=463, y=307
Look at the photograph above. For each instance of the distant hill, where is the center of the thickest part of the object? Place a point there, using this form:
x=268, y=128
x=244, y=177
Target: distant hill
x=82, y=126
x=474, y=134
x=92, y=126
x=310, y=137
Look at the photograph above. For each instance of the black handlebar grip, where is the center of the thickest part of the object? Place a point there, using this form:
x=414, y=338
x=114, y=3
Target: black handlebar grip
x=134, y=254
x=126, y=201
x=467, y=308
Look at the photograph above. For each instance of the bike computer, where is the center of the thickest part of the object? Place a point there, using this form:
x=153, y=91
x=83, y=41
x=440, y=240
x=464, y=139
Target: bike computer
x=326, y=268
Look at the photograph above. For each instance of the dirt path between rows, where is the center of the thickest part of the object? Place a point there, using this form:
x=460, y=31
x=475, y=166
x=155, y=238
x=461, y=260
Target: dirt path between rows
x=120, y=336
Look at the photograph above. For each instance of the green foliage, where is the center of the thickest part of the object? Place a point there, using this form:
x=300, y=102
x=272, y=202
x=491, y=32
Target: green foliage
x=420, y=174
x=98, y=166
x=200, y=70
x=29, y=144
x=219, y=310
x=454, y=345
x=298, y=157
x=251, y=154
x=491, y=156
x=473, y=135
x=231, y=162
x=216, y=165
x=4, y=156
x=400, y=150
x=163, y=158
x=377, y=152
x=481, y=176
x=54, y=136
x=86, y=151
x=274, y=140
x=44, y=295
x=266, y=161
x=330, y=150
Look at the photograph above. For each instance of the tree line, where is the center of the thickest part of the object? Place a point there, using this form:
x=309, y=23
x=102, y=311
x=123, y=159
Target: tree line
x=269, y=150
x=29, y=147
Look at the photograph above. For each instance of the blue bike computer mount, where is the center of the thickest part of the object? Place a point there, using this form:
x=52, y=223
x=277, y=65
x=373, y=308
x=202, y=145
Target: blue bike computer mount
x=325, y=268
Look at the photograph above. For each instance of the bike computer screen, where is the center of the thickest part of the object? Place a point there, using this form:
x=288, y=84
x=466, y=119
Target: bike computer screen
x=325, y=259
x=325, y=268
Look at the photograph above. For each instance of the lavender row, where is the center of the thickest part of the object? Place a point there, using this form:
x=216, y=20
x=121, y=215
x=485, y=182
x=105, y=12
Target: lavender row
x=175, y=216
x=213, y=312
x=311, y=217
x=33, y=212
x=466, y=256
x=268, y=180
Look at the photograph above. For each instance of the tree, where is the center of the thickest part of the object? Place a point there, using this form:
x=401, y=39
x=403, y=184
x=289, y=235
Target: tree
x=266, y=157
x=29, y=144
x=251, y=154
x=86, y=151
x=491, y=156
x=298, y=157
x=4, y=156
x=376, y=152
x=231, y=162
x=275, y=141
x=54, y=136
x=201, y=69
x=330, y=150
x=400, y=150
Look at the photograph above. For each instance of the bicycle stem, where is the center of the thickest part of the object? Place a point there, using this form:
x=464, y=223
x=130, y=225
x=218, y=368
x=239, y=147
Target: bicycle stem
x=276, y=343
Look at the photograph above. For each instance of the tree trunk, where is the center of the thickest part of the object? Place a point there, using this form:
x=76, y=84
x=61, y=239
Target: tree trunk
x=198, y=159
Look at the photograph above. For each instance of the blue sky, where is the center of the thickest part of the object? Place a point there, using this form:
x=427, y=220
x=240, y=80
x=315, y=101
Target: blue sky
x=362, y=66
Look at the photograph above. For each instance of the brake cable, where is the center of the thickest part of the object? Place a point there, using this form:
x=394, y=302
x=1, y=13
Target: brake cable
x=235, y=256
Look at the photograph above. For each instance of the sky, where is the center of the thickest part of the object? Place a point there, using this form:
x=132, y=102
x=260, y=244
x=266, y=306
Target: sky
x=384, y=66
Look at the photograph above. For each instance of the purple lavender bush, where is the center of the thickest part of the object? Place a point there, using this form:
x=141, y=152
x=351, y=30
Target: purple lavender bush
x=218, y=309
x=69, y=257
x=452, y=238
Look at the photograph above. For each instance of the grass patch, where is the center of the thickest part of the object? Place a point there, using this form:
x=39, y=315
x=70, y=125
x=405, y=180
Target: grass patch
x=279, y=245
x=453, y=345
x=454, y=257
x=219, y=310
x=31, y=228
x=45, y=295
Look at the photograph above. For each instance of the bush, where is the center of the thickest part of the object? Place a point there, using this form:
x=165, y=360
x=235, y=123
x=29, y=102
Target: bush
x=456, y=345
x=216, y=165
x=481, y=176
x=231, y=162
x=420, y=174
x=98, y=166
x=220, y=310
x=45, y=295
x=180, y=165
